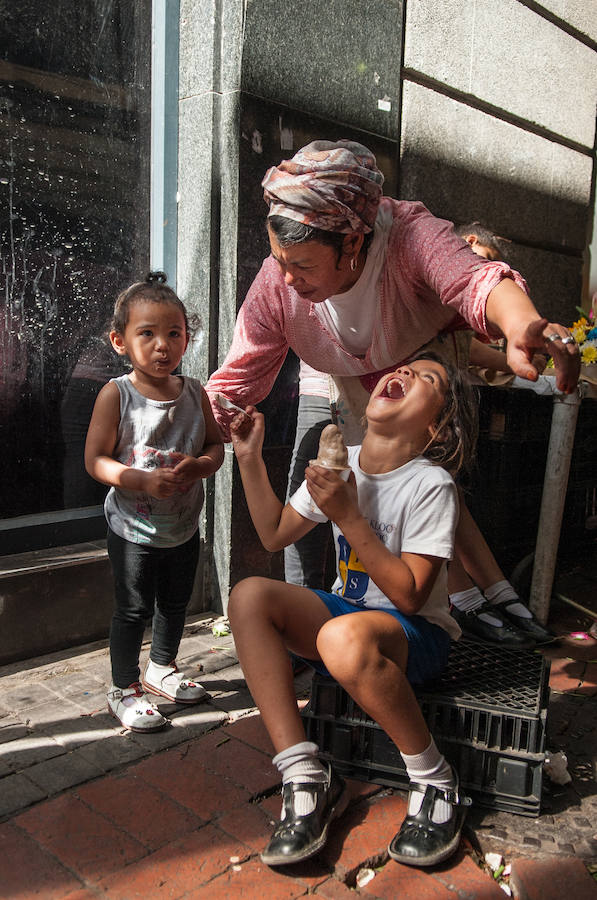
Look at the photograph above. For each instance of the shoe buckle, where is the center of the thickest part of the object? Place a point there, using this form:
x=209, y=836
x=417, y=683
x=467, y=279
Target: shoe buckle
x=456, y=799
x=116, y=694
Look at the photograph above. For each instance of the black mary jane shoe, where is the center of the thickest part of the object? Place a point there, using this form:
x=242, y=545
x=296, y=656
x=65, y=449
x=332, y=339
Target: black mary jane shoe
x=532, y=627
x=298, y=837
x=503, y=634
x=422, y=842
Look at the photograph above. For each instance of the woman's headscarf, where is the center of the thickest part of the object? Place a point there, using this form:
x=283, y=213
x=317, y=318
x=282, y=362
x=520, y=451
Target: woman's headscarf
x=332, y=185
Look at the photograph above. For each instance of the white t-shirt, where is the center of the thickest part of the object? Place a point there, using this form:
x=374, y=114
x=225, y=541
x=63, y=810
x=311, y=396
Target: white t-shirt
x=413, y=509
x=350, y=317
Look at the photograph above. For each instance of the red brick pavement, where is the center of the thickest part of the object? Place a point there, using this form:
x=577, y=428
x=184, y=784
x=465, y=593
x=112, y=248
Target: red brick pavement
x=189, y=823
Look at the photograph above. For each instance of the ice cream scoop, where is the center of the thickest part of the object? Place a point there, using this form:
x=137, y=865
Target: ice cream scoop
x=332, y=453
x=225, y=403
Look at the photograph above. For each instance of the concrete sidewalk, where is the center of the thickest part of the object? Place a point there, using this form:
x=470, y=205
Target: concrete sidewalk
x=88, y=810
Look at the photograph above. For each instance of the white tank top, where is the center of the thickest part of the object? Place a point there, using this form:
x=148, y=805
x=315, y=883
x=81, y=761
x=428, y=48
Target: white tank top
x=148, y=433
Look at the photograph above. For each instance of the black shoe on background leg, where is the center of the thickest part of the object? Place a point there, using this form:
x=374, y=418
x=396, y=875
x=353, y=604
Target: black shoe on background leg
x=531, y=627
x=502, y=634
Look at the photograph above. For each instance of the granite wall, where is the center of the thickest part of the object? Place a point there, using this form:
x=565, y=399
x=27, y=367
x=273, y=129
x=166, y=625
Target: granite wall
x=484, y=111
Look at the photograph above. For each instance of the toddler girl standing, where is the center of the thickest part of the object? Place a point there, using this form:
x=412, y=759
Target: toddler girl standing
x=152, y=438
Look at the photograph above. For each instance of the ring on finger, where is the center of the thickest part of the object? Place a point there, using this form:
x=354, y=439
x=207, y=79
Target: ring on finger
x=568, y=339
x=553, y=337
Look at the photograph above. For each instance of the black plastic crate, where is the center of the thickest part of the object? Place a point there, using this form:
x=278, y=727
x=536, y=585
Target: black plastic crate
x=487, y=714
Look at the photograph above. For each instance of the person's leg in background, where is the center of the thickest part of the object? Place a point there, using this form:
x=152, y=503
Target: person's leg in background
x=306, y=563
x=484, y=602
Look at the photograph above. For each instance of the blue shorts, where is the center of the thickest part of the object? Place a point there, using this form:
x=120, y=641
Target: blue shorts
x=428, y=644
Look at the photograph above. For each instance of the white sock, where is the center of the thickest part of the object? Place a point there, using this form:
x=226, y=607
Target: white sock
x=430, y=767
x=158, y=668
x=502, y=591
x=472, y=598
x=300, y=764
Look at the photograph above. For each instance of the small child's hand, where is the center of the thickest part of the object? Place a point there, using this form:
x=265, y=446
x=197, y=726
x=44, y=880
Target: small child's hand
x=162, y=482
x=336, y=498
x=189, y=469
x=247, y=433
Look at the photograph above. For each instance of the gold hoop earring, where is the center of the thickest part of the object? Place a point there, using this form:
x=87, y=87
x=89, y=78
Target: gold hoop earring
x=353, y=264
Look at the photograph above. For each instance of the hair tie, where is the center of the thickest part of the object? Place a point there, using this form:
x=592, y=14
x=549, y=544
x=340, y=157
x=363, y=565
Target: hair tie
x=156, y=277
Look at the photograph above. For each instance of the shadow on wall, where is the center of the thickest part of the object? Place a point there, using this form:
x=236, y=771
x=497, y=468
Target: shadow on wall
x=547, y=235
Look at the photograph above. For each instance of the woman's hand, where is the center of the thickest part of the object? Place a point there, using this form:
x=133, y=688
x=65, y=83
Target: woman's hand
x=247, y=433
x=513, y=312
x=545, y=336
x=336, y=498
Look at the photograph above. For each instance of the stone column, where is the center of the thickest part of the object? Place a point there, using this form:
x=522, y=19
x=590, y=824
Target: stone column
x=209, y=92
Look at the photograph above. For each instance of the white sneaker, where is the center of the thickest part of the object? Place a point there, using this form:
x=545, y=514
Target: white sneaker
x=168, y=682
x=134, y=709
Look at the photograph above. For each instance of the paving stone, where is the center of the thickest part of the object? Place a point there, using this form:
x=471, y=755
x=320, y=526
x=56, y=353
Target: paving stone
x=74, y=685
x=44, y=714
x=113, y=752
x=361, y=836
x=24, y=696
x=198, y=789
x=139, y=809
x=252, y=731
x=237, y=703
x=157, y=741
x=250, y=879
x=218, y=659
x=407, y=883
x=30, y=750
x=552, y=880
x=461, y=876
x=250, y=824
x=81, y=839
x=198, y=720
x=73, y=733
x=26, y=870
x=191, y=861
x=245, y=766
x=54, y=775
x=17, y=793
x=82, y=894
x=332, y=889
x=11, y=728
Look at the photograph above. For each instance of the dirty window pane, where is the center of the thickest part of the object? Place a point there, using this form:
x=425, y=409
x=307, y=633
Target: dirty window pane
x=74, y=223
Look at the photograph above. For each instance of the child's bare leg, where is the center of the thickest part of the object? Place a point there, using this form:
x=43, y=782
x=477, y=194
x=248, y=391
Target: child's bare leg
x=474, y=552
x=269, y=618
x=367, y=653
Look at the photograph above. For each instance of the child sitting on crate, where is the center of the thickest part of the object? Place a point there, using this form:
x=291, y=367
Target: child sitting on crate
x=393, y=523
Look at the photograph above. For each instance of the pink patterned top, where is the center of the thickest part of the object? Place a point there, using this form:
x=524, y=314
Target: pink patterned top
x=431, y=282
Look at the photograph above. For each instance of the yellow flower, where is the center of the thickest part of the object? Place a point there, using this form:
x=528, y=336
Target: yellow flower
x=578, y=333
x=582, y=323
x=588, y=355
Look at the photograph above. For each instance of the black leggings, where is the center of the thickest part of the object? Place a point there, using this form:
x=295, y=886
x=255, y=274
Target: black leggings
x=148, y=582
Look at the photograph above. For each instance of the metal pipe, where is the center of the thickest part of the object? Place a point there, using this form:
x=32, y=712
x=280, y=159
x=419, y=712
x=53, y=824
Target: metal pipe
x=559, y=454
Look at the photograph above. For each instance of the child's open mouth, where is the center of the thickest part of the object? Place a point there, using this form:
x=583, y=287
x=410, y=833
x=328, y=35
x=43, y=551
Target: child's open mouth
x=395, y=389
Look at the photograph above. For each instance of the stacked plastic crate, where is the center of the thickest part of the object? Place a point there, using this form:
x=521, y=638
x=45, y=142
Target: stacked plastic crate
x=487, y=714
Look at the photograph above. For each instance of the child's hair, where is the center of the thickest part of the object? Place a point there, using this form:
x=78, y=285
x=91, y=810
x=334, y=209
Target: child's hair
x=485, y=236
x=452, y=444
x=155, y=290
